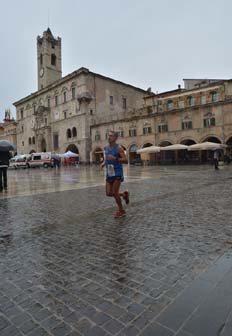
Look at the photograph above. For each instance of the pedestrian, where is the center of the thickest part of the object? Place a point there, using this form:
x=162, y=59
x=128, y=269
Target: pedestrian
x=216, y=159
x=114, y=157
x=4, y=164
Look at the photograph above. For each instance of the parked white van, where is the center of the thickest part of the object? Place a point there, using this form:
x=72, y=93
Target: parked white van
x=40, y=160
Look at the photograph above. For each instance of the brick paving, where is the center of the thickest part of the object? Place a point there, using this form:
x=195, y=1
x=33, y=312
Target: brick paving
x=68, y=268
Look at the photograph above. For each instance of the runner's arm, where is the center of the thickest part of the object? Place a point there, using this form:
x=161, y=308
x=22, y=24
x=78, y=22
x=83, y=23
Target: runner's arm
x=122, y=156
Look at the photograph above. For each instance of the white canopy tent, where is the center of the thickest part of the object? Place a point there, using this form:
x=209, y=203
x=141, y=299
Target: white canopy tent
x=69, y=154
x=151, y=149
x=206, y=146
x=174, y=147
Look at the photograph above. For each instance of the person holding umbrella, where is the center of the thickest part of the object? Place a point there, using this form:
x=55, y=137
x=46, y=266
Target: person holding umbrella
x=4, y=164
x=5, y=147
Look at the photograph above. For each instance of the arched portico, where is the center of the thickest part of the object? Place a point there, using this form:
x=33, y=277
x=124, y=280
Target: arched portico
x=186, y=156
x=72, y=148
x=167, y=157
x=98, y=155
x=133, y=157
x=207, y=155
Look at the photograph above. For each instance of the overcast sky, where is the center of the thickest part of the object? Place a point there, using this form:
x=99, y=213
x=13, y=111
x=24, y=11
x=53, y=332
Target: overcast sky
x=146, y=43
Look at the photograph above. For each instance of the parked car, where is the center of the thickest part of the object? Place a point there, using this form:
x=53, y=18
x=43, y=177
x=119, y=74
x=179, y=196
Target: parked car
x=19, y=161
x=43, y=159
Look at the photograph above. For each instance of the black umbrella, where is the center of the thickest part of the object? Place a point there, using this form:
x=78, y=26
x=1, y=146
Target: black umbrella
x=6, y=146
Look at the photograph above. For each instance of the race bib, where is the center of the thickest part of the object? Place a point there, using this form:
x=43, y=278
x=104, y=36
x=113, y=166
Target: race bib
x=110, y=170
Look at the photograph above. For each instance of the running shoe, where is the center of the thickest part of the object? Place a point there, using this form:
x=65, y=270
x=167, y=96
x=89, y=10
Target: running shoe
x=125, y=196
x=120, y=214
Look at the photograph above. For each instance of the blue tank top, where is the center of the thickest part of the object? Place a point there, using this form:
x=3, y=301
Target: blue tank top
x=113, y=168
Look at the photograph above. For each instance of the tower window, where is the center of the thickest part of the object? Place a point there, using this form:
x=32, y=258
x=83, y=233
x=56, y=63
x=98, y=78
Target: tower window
x=41, y=59
x=73, y=92
x=65, y=97
x=53, y=59
x=124, y=103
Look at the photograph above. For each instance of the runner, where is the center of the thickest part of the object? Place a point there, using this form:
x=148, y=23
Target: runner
x=113, y=159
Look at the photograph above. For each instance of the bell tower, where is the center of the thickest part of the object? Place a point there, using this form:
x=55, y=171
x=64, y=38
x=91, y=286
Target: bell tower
x=48, y=59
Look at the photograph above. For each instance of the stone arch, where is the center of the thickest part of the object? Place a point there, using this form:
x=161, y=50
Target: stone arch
x=207, y=155
x=72, y=148
x=188, y=141
x=211, y=138
x=147, y=144
x=132, y=153
x=165, y=143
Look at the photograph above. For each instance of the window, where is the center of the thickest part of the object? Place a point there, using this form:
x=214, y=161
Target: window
x=187, y=124
x=65, y=114
x=36, y=157
x=34, y=108
x=69, y=134
x=49, y=102
x=97, y=136
x=111, y=100
x=65, y=97
x=21, y=113
x=29, y=141
x=33, y=140
x=56, y=141
x=53, y=59
x=22, y=143
x=46, y=121
x=209, y=122
x=22, y=129
x=56, y=100
x=73, y=92
x=170, y=105
x=162, y=128
x=181, y=104
x=41, y=59
x=132, y=132
x=190, y=101
x=124, y=103
x=214, y=96
x=203, y=100
x=120, y=133
x=146, y=130
x=74, y=132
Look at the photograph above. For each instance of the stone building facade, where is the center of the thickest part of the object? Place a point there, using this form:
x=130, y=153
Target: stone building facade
x=8, y=131
x=60, y=115
x=201, y=111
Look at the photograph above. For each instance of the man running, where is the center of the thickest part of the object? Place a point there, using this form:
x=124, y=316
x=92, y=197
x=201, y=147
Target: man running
x=113, y=159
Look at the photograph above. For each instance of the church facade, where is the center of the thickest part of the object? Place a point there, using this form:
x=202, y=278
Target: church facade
x=60, y=115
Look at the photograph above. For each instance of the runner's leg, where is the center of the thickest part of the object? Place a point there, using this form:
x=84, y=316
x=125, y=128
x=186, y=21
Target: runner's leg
x=115, y=188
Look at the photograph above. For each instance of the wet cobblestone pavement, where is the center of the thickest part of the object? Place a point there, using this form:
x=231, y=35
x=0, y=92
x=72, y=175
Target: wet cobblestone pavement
x=68, y=268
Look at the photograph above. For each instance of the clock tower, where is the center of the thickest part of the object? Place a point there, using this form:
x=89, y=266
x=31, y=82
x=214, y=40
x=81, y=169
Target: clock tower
x=48, y=59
